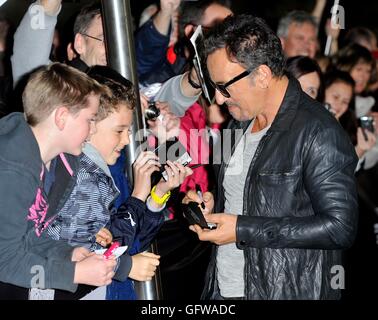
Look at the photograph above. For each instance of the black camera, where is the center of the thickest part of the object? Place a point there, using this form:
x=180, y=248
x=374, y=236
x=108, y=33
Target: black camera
x=152, y=112
x=366, y=122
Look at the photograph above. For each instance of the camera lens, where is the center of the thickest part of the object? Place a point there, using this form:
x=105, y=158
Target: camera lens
x=152, y=112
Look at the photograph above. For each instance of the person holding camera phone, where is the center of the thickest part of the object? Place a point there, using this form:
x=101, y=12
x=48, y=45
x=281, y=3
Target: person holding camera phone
x=339, y=93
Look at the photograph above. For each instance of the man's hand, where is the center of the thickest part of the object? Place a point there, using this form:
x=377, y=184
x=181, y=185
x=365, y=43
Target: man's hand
x=51, y=6
x=104, y=237
x=80, y=253
x=144, y=266
x=224, y=233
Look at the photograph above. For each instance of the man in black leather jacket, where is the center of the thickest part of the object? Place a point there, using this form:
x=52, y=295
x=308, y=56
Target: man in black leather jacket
x=297, y=199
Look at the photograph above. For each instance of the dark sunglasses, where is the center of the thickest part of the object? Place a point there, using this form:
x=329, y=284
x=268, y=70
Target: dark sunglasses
x=222, y=88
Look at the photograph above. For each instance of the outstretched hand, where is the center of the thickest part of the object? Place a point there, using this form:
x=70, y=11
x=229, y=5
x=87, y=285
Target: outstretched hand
x=224, y=233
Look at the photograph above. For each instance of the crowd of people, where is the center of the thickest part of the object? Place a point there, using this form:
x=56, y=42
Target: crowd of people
x=284, y=157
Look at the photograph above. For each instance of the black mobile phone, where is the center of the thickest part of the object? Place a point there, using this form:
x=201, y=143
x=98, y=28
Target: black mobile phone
x=194, y=215
x=171, y=150
x=366, y=122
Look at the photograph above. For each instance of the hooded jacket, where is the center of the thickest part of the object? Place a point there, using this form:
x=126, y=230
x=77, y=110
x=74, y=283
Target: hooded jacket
x=26, y=211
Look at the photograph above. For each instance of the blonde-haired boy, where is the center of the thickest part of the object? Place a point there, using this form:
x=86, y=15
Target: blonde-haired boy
x=36, y=177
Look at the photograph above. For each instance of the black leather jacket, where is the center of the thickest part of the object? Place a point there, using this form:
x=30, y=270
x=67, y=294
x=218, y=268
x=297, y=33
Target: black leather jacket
x=300, y=204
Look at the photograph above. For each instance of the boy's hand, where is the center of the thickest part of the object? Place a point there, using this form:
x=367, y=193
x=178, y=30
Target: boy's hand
x=80, y=253
x=104, y=237
x=176, y=175
x=95, y=270
x=144, y=266
x=144, y=166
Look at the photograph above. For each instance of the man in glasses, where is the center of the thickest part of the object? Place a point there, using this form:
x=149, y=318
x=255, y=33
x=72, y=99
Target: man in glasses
x=286, y=202
x=33, y=42
x=89, y=36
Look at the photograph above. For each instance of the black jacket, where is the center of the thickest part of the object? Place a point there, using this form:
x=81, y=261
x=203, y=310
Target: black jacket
x=300, y=204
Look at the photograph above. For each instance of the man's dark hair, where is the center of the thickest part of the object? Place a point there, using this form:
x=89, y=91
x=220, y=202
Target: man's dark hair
x=191, y=12
x=248, y=41
x=85, y=17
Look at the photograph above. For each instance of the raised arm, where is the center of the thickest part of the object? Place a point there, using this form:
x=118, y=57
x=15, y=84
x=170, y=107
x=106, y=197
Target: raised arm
x=34, y=36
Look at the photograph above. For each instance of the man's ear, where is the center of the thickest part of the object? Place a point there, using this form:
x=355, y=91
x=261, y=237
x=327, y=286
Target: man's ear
x=189, y=30
x=61, y=115
x=282, y=43
x=79, y=44
x=264, y=76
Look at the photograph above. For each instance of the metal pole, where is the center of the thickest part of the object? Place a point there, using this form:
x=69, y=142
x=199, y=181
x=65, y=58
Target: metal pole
x=119, y=39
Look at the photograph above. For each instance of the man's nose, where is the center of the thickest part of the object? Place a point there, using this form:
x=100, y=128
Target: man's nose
x=220, y=98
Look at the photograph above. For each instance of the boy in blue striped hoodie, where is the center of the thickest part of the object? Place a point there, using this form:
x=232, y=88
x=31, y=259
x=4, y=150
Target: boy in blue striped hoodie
x=90, y=218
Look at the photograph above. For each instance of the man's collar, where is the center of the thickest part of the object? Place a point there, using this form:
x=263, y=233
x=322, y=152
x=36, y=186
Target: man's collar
x=288, y=109
x=79, y=64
